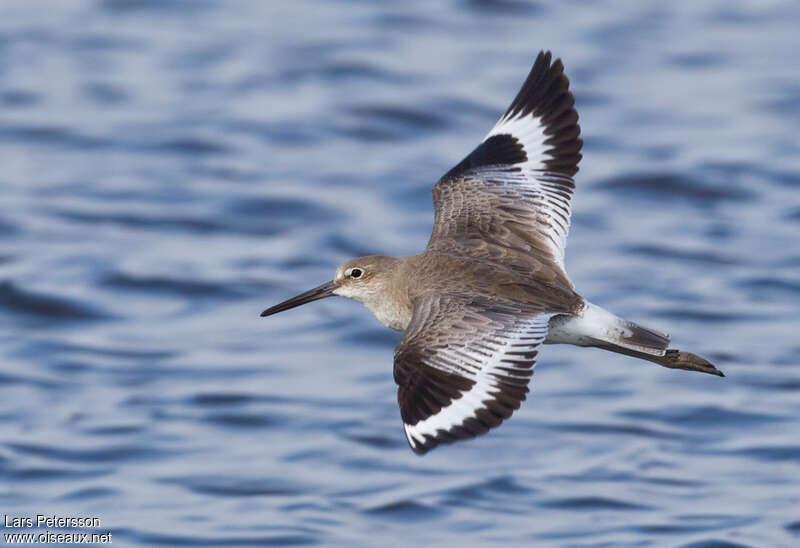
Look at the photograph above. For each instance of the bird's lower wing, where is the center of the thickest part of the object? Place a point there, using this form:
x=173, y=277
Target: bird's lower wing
x=463, y=366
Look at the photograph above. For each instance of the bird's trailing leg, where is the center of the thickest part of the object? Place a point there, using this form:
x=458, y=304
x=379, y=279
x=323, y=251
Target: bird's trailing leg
x=598, y=328
x=672, y=358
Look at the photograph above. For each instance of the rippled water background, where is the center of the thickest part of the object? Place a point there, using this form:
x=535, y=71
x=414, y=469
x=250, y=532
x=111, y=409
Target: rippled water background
x=168, y=169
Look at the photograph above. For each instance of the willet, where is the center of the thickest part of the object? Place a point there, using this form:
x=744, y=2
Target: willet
x=490, y=286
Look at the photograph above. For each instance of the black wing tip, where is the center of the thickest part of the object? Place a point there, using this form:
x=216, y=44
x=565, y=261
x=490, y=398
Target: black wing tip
x=455, y=434
x=543, y=73
x=503, y=149
x=486, y=418
x=545, y=94
x=421, y=449
x=430, y=443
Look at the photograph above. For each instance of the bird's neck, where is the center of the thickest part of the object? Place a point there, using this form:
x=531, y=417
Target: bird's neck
x=392, y=305
x=391, y=313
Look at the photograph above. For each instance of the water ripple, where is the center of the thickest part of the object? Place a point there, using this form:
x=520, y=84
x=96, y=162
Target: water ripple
x=405, y=511
x=53, y=136
x=102, y=453
x=168, y=286
x=90, y=493
x=244, y=487
x=674, y=186
x=715, y=543
x=705, y=416
x=589, y=503
x=45, y=307
x=156, y=539
x=660, y=251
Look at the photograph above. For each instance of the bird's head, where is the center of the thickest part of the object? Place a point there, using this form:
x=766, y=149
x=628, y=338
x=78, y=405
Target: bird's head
x=363, y=279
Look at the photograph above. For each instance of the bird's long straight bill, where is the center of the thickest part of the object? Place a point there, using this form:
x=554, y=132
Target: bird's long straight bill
x=319, y=292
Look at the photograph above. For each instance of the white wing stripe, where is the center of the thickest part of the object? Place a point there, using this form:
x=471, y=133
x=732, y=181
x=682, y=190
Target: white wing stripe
x=548, y=202
x=529, y=131
x=535, y=182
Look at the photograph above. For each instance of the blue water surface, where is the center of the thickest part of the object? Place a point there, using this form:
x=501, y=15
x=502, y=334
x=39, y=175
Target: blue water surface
x=168, y=169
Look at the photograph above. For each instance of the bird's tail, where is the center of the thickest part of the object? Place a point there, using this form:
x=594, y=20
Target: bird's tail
x=600, y=328
x=595, y=326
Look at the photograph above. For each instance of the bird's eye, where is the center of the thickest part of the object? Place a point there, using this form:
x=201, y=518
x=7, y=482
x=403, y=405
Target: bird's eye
x=356, y=273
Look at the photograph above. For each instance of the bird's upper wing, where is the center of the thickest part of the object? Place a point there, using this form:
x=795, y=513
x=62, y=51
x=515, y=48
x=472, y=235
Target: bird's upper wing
x=463, y=365
x=509, y=200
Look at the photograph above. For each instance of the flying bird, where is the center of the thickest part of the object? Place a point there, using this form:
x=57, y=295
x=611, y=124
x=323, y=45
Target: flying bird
x=490, y=287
